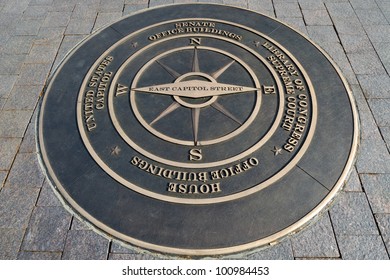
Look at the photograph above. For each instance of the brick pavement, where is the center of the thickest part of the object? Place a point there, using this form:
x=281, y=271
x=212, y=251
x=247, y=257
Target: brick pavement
x=36, y=34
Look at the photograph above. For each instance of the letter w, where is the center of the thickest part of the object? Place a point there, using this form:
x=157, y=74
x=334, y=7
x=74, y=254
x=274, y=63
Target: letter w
x=121, y=89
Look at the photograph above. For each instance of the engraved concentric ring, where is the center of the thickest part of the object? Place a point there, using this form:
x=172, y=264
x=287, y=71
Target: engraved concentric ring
x=258, y=145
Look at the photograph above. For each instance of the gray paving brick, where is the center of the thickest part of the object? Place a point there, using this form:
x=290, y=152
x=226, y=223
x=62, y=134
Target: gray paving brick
x=369, y=128
x=47, y=196
x=111, y=6
x=353, y=184
x=366, y=63
x=212, y=1
x=373, y=157
x=25, y=172
x=10, y=241
x=23, y=255
x=290, y=9
x=384, y=54
x=242, y=3
x=351, y=215
x=311, y=4
x=383, y=223
x=50, y=36
x=9, y=20
x=80, y=26
x=18, y=45
x=260, y=5
x=377, y=188
x=6, y=84
x=4, y=36
x=316, y=17
x=371, y=17
x=340, y=10
x=43, y=223
x=378, y=33
x=386, y=240
x=117, y=248
x=28, y=27
x=375, y=86
x=40, y=2
x=16, y=7
x=358, y=94
x=322, y=33
x=57, y=19
x=8, y=149
x=79, y=225
x=83, y=11
x=387, y=15
x=363, y=4
x=154, y=3
x=317, y=241
x=104, y=18
x=62, y=6
x=366, y=247
x=11, y=63
x=386, y=135
x=29, y=142
x=115, y=256
x=16, y=205
x=14, y=123
x=36, y=12
x=33, y=74
x=380, y=109
x=85, y=245
x=281, y=251
x=384, y=5
x=136, y=2
x=23, y=98
x=3, y=175
x=285, y=1
x=2, y=103
x=356, y=43
x=348, y=25
x=132, y=8
x=42, y=54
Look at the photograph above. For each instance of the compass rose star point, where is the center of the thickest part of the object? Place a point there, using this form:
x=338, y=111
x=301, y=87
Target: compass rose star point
x=115, y=151
x=277, y=151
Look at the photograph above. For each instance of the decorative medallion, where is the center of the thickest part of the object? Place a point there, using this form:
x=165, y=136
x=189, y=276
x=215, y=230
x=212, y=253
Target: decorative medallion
x=197, y=130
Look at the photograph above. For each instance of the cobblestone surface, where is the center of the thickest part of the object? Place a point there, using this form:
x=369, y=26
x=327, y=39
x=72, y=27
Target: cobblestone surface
x=36, y=34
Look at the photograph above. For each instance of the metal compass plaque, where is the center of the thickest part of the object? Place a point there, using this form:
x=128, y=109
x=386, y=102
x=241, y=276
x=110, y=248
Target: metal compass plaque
x=197, y=130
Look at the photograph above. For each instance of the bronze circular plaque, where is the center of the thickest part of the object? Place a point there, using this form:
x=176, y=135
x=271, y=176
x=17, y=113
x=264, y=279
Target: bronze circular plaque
x=197, y=129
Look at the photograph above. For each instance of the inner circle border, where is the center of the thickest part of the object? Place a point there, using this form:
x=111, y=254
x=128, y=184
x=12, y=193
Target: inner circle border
x=67, y=200
x=184, y=142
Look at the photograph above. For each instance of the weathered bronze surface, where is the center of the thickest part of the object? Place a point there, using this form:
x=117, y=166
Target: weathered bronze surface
x=198, y=130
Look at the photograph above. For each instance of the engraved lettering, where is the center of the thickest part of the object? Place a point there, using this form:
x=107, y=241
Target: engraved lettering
x=195, y=154
x=195, y=41
x=194, y=189
x=195, y=27
x=269, y=89
x=121, y=89
x=194, y=176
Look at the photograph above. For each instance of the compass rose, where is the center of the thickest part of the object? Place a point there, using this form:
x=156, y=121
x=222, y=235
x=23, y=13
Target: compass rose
x=196, y=90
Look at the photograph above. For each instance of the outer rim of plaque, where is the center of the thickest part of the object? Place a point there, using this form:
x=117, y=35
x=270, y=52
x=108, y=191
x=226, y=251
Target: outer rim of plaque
x=110, y=233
